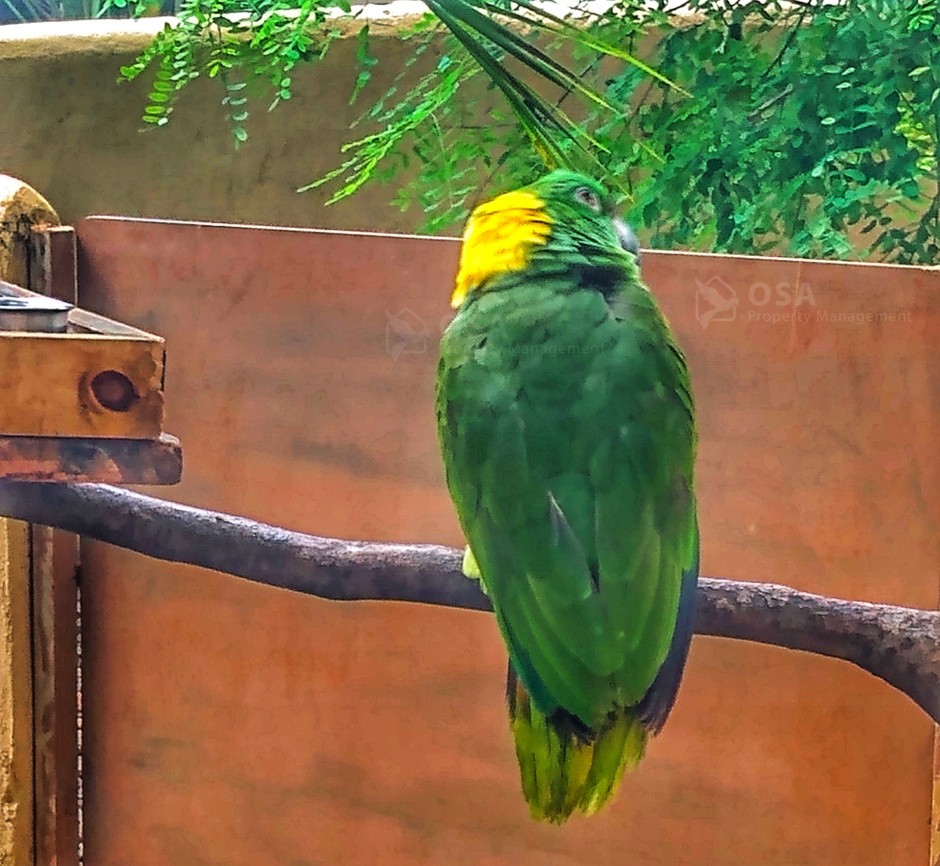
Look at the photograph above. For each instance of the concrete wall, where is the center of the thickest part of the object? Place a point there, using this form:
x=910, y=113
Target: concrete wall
x=68, y=129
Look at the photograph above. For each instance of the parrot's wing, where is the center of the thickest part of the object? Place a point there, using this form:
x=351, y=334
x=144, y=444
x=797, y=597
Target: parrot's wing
x=572, y=482
x=658, y=701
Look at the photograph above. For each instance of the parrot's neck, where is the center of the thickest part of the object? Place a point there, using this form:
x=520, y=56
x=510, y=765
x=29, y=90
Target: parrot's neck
x=498, y=238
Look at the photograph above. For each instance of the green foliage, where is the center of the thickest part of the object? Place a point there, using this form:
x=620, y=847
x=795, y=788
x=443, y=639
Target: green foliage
x=831, y=125
x=403, y=123
x=264, y=42
x=24, y=11
x=810, y=127
x=257, y=46
x=813, y=129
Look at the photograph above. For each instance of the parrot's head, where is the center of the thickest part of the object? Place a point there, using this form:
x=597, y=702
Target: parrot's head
x=561, y=213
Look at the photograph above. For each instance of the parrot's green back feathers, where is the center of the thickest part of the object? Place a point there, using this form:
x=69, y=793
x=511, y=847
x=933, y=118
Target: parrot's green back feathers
x=567, y=431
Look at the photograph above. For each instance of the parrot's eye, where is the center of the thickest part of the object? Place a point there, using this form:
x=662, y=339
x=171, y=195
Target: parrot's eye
x=588, y=197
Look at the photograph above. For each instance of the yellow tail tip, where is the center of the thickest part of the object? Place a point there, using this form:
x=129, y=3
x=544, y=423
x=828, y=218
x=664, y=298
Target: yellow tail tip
x=563, y=772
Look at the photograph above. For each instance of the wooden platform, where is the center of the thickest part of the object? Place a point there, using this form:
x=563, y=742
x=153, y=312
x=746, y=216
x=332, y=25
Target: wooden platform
x=106, y=461
x=99, y=379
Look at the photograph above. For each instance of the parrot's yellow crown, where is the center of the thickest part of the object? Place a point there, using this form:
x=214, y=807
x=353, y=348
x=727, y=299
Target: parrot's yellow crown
x=498, y=238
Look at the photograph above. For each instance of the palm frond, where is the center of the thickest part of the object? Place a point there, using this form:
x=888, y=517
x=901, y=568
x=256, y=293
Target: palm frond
x=477, y=26
x=538, y=17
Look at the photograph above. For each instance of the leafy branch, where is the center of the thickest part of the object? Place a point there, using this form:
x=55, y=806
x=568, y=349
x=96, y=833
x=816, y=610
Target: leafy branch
x=262, y=43
x=259, y=46
x=810, y=128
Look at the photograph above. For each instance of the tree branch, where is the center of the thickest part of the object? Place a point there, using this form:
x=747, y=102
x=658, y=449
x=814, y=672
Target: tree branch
x=899, y=645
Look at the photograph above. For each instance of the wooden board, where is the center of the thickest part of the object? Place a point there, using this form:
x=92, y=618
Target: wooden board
x=55, y=629
x=232, y=723
x=54, y=560
x=60, y=384
x=16, y=696
x=935, y=817
x=105, y=461
x=21, y=208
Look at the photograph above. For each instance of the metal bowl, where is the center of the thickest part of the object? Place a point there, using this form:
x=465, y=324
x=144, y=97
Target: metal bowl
x=32, y=313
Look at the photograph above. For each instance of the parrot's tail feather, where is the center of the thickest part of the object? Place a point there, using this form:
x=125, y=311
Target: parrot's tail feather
x=565, y=767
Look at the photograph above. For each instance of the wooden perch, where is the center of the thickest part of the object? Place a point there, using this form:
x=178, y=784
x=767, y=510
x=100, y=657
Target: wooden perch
x=899, y=645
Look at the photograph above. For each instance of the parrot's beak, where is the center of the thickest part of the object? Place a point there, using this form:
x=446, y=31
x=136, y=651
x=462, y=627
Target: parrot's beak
x=627, y=238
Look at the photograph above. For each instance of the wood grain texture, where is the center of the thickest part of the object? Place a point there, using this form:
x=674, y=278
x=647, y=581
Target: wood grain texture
x=53, y=263
x=21, y=209
x=109, y=461
x=55, y=563
x=935, y=819
x=55, y=630
x=306, y=732
x=45, y=383
x=16, y=697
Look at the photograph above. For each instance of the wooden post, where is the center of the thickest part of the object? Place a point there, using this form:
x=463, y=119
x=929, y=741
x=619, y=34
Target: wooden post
x=55, y=560
x=38, y=601
x=16, y=698
x=55, y=711
x=935, y=813
x=21, y=207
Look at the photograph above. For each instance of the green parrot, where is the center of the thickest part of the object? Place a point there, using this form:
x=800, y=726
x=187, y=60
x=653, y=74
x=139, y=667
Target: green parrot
x=567, y=430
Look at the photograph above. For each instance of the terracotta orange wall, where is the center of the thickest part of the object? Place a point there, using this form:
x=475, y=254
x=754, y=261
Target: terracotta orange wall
x=231, y=723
